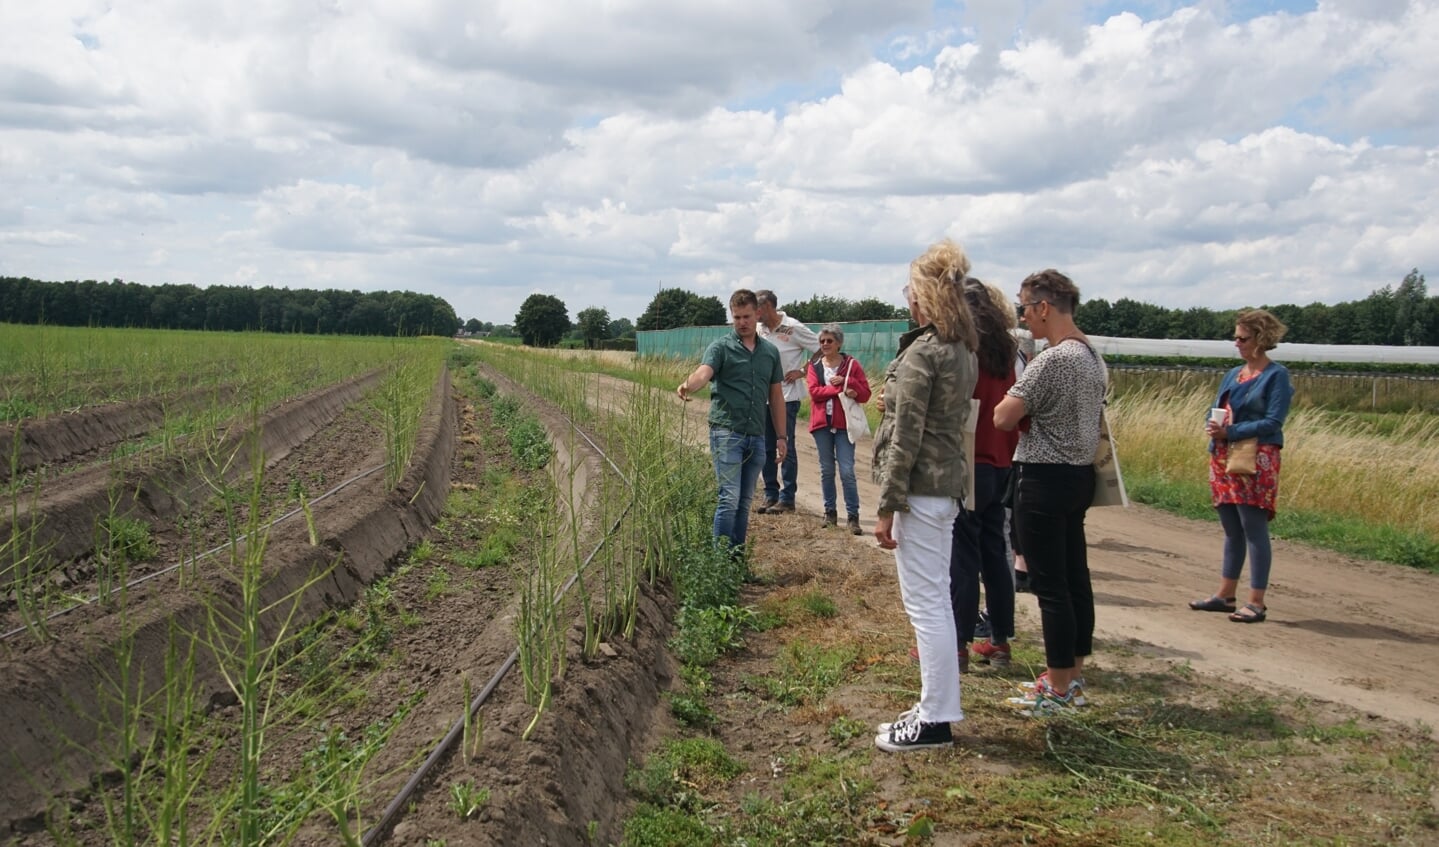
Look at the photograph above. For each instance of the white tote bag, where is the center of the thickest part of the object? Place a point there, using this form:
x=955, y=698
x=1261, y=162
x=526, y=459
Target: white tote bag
x=855, y=420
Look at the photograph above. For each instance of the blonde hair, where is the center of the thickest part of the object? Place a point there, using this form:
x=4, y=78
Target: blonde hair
x=1267, y=329
x=936, y=281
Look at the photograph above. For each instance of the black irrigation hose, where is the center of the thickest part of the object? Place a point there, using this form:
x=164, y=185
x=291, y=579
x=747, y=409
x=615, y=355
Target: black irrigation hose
x=392, y=811
x=147, y=577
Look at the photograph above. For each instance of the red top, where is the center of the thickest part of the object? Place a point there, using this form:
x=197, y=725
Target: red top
x=822, y=413
x=993, y=446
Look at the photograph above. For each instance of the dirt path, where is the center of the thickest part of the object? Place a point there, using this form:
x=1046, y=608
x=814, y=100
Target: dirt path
x=1353, y=632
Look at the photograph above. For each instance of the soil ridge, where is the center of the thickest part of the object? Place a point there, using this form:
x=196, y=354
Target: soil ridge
x=47, y=736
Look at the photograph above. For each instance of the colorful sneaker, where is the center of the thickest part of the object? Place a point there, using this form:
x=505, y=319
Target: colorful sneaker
x=909, y=733
x=994, y=655
x=1043, y=701
x=1076, y=688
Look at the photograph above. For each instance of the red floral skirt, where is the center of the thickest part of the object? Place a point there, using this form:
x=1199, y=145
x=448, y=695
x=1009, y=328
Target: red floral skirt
x=1259, y=490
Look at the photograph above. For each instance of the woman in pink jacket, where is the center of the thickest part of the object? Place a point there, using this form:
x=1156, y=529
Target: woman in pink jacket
x=831, y=374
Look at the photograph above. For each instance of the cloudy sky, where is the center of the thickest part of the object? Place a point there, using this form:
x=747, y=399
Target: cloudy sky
x=1213, y=153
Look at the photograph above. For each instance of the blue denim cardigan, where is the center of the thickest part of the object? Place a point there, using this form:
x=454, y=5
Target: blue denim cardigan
x=1259, y=406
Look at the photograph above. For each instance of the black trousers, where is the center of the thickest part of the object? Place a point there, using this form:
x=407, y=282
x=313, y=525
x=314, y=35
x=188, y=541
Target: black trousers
x=1049, y=517
x=977, y=555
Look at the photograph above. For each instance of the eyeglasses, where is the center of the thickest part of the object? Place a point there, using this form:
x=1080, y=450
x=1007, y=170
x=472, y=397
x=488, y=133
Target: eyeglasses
x=828, y=341
x=1243, y=339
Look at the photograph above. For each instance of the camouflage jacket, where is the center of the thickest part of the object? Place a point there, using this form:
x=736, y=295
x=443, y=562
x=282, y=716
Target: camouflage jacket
x=919, y=448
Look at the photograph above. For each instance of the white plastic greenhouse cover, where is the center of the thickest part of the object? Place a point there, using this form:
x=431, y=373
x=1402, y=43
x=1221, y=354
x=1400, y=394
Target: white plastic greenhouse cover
x=1285, y=352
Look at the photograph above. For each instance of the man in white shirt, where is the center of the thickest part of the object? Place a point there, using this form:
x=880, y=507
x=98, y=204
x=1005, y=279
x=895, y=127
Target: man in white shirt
x=796, y=343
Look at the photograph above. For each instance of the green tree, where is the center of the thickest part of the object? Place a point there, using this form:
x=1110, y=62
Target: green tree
x=823, y=308
x=473, y=325
x=818, y=309
x=542, y=320
x=674, y=307
x=621, y=328
x=1410, y=309
x=594, y=326
x=875, y=309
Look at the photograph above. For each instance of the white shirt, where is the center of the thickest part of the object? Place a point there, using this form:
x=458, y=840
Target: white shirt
x=795, y=342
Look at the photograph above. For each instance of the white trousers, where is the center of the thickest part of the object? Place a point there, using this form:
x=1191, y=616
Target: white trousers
x=925, y=535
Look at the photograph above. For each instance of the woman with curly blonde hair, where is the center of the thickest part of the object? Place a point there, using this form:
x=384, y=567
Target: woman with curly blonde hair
x=1255, y=399
x=920, y=466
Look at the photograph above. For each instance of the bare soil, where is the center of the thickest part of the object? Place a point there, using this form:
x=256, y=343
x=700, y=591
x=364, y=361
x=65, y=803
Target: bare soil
x=53, y=737
x=1357, y=635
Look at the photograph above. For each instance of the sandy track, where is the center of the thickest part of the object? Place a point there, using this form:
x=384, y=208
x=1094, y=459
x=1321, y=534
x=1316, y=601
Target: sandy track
x=1359, y=633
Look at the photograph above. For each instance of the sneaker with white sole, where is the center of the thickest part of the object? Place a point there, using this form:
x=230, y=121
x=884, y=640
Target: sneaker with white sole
x=1044, y=701
x=907, y=714
x=908, y=732
x=1076, y=688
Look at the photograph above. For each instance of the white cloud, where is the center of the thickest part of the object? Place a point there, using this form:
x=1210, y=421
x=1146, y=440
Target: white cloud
x=482, y=152
x=45, y=238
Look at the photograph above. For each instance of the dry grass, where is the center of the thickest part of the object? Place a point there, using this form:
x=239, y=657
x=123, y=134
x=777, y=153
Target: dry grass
x=1334, y=464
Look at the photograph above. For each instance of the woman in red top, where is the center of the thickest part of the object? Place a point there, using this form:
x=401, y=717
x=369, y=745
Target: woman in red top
x=978, y=552
x=831, y=374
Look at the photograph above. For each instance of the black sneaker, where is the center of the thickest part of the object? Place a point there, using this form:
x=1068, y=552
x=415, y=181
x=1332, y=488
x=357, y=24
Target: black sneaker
x=767, y=506
x=909, y=733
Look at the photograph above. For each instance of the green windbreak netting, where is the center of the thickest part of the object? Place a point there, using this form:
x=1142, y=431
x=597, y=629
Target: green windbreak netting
x=872, y=342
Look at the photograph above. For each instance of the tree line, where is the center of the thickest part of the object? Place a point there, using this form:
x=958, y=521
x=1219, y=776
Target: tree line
x=1390, y=316
x=224, y=307
x=1405, y=316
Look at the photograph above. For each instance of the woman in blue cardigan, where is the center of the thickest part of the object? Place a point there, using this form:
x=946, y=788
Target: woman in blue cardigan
x=1255, y=397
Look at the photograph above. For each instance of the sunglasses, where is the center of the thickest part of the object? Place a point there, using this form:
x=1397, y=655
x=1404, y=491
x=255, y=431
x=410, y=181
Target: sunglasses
x=827, y=341
x=1243, y=339
x=1021, y=305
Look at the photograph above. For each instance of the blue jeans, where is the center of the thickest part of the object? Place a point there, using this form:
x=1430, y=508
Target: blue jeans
x=790, y=468
x=835, y=447
x=737, y=459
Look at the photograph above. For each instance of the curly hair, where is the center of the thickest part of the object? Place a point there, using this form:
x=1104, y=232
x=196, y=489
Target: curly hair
x=935, y=280
x=996, y=345
x=1267, y=329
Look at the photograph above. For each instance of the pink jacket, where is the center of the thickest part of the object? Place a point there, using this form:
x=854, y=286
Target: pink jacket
x=820, y=392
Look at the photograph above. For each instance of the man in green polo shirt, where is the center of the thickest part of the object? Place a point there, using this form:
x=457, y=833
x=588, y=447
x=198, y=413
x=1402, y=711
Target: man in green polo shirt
x=747, y=385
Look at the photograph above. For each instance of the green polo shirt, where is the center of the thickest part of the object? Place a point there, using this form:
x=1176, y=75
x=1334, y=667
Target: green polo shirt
x=739, y=392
